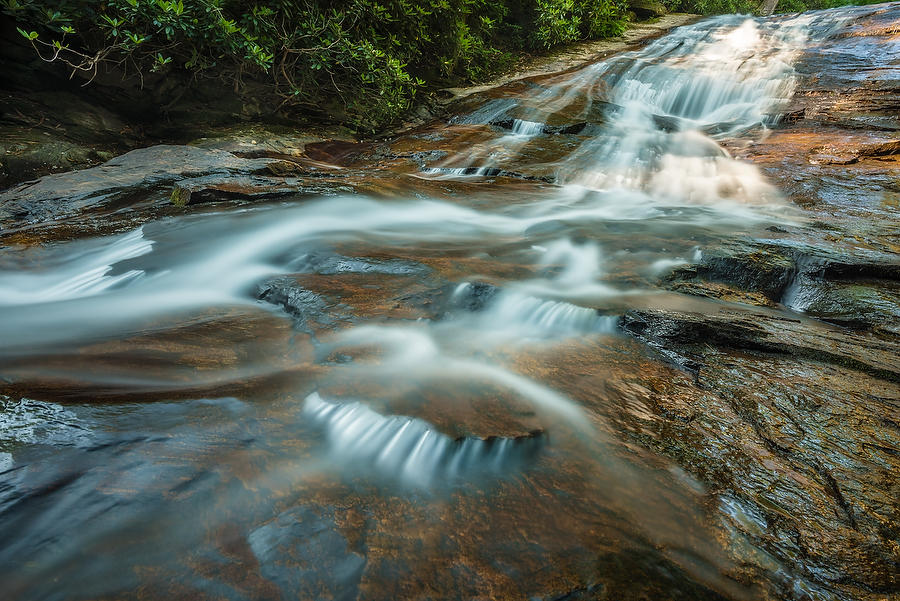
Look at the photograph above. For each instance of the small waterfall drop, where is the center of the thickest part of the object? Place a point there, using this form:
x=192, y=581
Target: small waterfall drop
x=410, y=449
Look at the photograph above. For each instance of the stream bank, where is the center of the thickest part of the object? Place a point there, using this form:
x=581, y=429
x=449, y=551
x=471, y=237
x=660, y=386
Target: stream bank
x=50, y=124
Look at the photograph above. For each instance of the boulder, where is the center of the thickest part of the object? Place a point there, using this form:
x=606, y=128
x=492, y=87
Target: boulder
x=647, y=9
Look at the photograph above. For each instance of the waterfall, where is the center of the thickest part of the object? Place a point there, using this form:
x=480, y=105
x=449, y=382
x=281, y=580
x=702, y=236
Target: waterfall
x=412, y=450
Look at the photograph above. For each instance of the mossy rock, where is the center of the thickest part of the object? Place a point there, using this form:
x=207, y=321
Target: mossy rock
x=181, y=196
x=647, y=9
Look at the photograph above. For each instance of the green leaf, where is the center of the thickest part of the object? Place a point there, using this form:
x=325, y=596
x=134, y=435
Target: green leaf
x=29, y=35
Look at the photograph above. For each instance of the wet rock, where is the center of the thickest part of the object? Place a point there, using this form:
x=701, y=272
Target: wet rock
x=681, y=337
x=217, y=188
x=805, y=454
x=574, y=129
x=409, y=154
x=338, y=152
x=720, y=291
x=776, y=269
x=421, y=159
x=257, y=140
x=844, y=154
x=790, y=420
x=473, y=296
x=136, y=172
x=331, y=264
x=592, y=591
x=303, y=305
x=449, y=298
x=851, y=79
x=827, y=500
x=856, y=304
x=306, y=555
x=750, y=267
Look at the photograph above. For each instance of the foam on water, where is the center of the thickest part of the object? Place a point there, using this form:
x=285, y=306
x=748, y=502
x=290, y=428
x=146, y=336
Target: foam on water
x=27, y=421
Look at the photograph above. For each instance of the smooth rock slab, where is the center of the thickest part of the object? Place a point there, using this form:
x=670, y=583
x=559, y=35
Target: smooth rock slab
x=55, y=196
x=682, y=337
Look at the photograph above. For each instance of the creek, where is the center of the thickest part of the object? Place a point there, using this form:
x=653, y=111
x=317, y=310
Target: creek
x=432, y=387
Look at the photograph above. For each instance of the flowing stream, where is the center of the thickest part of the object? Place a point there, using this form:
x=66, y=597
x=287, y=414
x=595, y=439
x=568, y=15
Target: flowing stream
x=239, y=388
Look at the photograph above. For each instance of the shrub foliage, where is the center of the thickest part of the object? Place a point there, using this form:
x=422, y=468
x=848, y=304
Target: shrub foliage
x=717, y=7
x=368, y=56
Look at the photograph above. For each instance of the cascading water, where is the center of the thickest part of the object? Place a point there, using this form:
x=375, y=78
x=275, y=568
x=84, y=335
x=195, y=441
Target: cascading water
x=641, y=183
x=410, y=449
x=78, y=274
x=657, y=112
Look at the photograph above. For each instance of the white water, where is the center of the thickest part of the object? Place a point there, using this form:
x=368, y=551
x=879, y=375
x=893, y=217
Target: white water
x=662, y=110
x=78, y=274
x=118, y=286
x=408, y=449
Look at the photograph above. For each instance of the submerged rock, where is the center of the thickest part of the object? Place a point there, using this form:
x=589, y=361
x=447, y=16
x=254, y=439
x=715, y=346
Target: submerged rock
x=303, y=305
x=331, y=264
x=473, y=296
x=447, y=299
x=305, y=554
